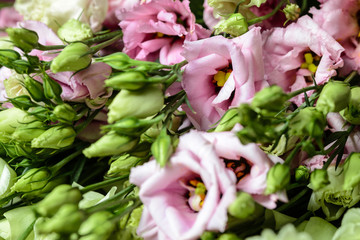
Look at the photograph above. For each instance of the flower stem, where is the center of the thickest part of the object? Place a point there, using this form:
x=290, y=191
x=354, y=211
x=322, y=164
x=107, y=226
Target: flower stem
x=295, y=93
x=103, y=183
x=350, y=77
x=106, y=43
x=262, y=18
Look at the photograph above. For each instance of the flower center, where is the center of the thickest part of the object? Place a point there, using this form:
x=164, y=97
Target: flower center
x=311, y=62
x=221, y=77
x=240, y=167
x=196, y=193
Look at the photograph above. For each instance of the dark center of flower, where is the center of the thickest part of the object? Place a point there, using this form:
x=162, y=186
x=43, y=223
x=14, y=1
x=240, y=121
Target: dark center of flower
x=196, y=193
x=240, y=167
x=311, y=62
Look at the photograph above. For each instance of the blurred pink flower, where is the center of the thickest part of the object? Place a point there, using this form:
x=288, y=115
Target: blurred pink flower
x=9, y=17
x=172, y=209
x=284, y=50
x=111, y=21
x=157, y=29
x=240, y=57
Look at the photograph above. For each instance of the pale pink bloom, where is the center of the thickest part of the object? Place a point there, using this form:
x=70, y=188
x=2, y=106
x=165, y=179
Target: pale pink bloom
x=208, y=16
x=208, y=56
x=111, y=21
x=88, y=83
x=284, y=50
x=169, y=212
x=277, y=20
x=9, y=17
x=157, y=29
x=228, y=147
x=315, y=162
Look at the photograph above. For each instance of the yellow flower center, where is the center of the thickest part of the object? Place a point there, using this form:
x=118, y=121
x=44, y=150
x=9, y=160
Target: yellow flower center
x=221, y=77
x=196, y=193
x=240, y=167
x=311, y=62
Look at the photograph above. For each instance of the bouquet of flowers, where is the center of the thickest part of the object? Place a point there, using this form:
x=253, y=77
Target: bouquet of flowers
x=180, y=119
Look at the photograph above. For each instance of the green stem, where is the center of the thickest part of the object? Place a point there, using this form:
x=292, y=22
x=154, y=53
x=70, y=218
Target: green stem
x=103, y=184
x=303, y=6
x=293, y=201
x=302, y=218
x=262, y=18
x=295, y=93
x=106, y=43
x=350, y=77
x=293, y=153
x=54, y=169
x=102, y=37
x=50, y=47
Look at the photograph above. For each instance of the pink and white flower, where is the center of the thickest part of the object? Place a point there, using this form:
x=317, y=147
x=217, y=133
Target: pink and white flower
x=157, y=29
x=240, y=58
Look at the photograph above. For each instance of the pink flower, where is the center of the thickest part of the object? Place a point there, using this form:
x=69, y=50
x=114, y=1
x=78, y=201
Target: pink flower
x=208, y=16
x=157, y=29
x=111, y=21
x=9, y=18
x=285, y=49
x=240, y=58
x=86, y=84
x=172, y=209
x=277, y=20
x=218, y=161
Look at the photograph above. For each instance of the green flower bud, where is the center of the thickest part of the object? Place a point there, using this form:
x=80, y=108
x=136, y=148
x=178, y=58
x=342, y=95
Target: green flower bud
x=334, y=97
x=118, y=61
x=235, y=25
x=27, y=132
x=127, y=80
x=308, y=122
x=34, y=182
x=228, y=236
x=292, y=11
x=14, y=85
x=62, y=194
x=7, y=57
x=122, y=165
x=208, y=236
x=67, y=220
x=162, y=148
x=352, y=112
x=74, y=30
x=110, y=144
x=98, y=224
x=74, y=57
x=351, y=171
x=270, y=98
x=243, y=206
x=55, y=137
x=5, y=43
x=318, y=179
x=302, y=174
x=23, y=38
x=141, y=104
x=34, y=88
x=64, y=113
x=7, y=178
x=22, y=102
x=228, y=121
x=277, y=178
x=52, y=89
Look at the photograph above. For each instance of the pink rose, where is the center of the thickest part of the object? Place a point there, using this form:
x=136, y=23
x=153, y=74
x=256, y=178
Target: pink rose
x=172, y=209
x=157, y=29
x=240, y=58
x=285, y=49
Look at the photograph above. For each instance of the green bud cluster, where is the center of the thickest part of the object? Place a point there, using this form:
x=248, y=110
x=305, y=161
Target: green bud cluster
x=122, y=165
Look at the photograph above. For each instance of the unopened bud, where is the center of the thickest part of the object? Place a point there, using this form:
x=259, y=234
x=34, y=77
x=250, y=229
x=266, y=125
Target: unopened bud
x=118, y=61
x=302, y=174
x=318, y=179
x=27, y=132
x=74, y=30
x=228, y=121
x=162, y=148
x=122, y=165
x=308, y=122
x=52, y=89
x=141, y=104
x=34, y=88
x=23, y=38
x=277, y=178
x=32, y=180
x=110, y=144
x=67, y=220
x=74, y=57
x=228, y=236
x=270, y=98
x=208, y=236
x=292, y=11
x=22, y=102
x=351, y=171
x=64, y=113
x=62, y=194
x=334, y=97
x=7, y=57
x=127, y=80
x=243, y=206
x=352, y=112
x=98, y=224
x=235, y=25
x=55, y=137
